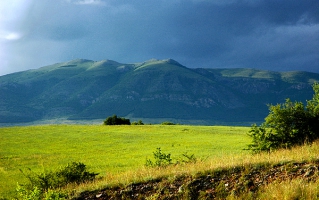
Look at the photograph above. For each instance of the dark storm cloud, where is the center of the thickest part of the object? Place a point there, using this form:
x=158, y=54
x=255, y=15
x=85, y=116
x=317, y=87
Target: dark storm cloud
x=264, y=34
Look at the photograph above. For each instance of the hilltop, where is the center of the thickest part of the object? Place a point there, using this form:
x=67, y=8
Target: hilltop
x=153, y=90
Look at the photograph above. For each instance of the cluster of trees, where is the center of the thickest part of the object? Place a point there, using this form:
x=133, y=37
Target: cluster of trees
x=287, y=124
x=114, y=120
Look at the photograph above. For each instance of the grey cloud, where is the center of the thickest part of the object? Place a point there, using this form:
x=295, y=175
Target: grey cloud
x=264, y=34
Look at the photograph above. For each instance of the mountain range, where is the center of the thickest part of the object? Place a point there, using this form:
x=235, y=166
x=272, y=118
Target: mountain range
x=154, y=90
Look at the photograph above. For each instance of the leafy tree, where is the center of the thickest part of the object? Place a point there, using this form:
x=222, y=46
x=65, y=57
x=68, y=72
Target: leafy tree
x=288, y=124
x=114, y=120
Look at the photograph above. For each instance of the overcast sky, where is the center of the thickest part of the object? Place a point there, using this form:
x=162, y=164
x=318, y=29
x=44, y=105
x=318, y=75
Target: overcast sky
x=280, y=35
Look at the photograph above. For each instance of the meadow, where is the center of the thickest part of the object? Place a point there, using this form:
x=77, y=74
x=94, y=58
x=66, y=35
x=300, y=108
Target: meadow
x=111, y=151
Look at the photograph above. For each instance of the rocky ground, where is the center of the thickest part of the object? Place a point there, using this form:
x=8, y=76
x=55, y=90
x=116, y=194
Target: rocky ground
x=217, y=184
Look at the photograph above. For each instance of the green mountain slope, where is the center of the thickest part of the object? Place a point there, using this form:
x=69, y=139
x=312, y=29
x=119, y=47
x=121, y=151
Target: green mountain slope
x=85, y=89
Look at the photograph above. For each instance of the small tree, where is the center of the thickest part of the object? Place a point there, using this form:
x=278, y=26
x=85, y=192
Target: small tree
x=114, y=120
x=160, y=159
x=287, y=124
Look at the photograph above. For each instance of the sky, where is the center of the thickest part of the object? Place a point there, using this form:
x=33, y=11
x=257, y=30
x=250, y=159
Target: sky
x=276, y=35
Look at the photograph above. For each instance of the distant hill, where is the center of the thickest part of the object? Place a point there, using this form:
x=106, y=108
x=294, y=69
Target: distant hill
x=154, y=90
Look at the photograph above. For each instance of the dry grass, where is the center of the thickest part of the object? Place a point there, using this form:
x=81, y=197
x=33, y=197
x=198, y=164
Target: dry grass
x=292, y=189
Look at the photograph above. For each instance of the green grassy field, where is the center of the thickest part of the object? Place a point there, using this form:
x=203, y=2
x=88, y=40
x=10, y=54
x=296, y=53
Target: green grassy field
x=107, y=149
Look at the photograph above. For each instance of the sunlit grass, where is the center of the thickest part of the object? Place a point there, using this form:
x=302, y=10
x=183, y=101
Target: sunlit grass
x=298, y=154
x=118, y=153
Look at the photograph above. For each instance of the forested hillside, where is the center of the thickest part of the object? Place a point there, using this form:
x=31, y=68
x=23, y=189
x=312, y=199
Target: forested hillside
x=155, y=89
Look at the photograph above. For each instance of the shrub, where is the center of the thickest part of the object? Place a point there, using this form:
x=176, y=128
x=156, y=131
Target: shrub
x=262, y=140
x=74, y=172
x=160, y=159
x=186, y=158
x=32, y=194
x=138, y=123
x=287, y=124
x=168, y=123
x=36, y=194
x=114, y=120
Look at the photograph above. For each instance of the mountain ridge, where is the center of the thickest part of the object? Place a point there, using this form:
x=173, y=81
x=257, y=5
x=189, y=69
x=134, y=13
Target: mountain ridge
x=156, y=89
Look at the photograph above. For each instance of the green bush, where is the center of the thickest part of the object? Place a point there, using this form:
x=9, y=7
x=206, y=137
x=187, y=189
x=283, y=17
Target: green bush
x=160, y=159
x=74, y=172
x=287, y=124
x=114, y=120
x=31, y=194
x=138, y=123
x=186, y=158
x=168, y=123
x=36, y=194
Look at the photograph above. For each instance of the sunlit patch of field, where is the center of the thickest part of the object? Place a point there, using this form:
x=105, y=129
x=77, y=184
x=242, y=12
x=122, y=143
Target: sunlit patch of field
x=290, y=189
x=113, y=151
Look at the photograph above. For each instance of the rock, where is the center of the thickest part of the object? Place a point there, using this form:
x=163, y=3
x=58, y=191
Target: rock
x=310, y=171
x=98, y=195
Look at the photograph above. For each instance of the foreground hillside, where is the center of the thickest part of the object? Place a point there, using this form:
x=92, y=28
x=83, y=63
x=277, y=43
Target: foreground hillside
x=257, y=181
x=153, y=90
x=283, y=174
